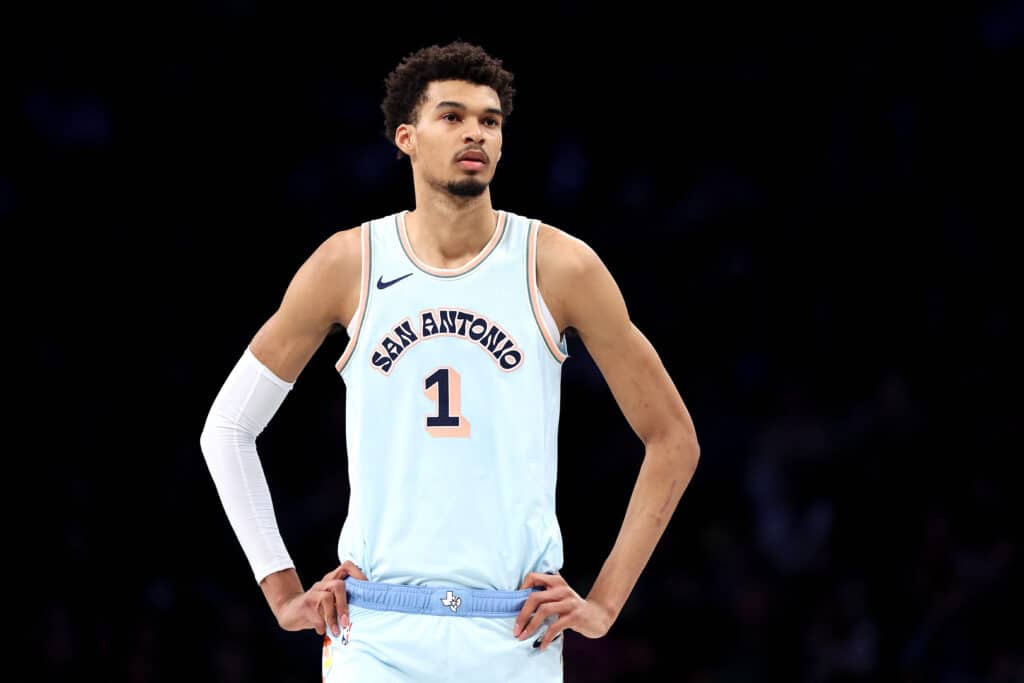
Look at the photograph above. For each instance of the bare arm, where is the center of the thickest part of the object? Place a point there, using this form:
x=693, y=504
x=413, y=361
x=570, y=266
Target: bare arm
x=590, y=301
x=323, y=293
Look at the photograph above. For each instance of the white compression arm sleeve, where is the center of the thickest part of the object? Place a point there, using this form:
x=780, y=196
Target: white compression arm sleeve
x=243, y=407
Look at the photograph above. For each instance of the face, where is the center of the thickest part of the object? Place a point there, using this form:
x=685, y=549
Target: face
x=456, y=117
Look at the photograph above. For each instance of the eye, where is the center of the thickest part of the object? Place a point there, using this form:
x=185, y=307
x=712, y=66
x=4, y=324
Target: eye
x=494, y=121
x=445, y=116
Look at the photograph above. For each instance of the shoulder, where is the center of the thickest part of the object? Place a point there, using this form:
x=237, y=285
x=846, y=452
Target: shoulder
x=331, y=275
x=343, y=248
x=561, y=255
x=563, y=260
x=339, y=255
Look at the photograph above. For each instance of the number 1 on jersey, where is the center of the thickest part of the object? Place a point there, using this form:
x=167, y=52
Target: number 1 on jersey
x=444, y=387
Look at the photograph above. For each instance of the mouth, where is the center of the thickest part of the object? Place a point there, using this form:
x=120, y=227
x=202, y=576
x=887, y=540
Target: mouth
x=472, y=159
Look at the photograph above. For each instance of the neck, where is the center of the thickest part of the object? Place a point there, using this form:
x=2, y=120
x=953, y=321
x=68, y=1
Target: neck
x=447, y=231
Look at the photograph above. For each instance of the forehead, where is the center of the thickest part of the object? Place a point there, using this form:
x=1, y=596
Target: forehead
x=469, y=94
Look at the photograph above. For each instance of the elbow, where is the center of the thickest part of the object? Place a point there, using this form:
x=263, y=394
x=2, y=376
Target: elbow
x=685, y=457
x=207, y=442
x=208, y=436
x=205, y=438
x=680, y=446
x=222, y=436
x=217, y=432
x=691, y=444
x=690, y=453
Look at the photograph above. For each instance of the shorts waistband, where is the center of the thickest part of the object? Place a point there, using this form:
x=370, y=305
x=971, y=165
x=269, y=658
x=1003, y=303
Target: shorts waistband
x=440, y=601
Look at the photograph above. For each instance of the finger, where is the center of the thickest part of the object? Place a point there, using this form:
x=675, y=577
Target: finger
x=346, y=568
x=538, y=579
x=340, y=602
x=352, y=570
x=552, y=633
x=329, y=612
x=533, y=603
x=311, y=610
x=543, y=612
x=527, y=609
x=336, y=573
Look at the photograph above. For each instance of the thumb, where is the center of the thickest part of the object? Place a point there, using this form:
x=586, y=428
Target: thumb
x=352, y=570
x=337, y=573
x=530, y=580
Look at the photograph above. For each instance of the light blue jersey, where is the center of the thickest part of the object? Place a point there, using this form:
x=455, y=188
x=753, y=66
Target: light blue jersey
x=452, y=403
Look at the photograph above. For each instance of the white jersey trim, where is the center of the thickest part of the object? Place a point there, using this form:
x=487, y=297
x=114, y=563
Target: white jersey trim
x=364, y=293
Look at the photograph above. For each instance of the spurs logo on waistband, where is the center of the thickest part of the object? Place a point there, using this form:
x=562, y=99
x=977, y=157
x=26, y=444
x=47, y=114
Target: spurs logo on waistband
x=451, y=601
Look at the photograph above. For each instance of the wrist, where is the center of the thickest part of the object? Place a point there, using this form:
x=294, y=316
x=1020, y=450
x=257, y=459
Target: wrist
x=279, y=588
x=610, y=613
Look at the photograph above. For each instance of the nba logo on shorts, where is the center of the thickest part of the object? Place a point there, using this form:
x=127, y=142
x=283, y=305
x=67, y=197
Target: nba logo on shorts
x=345, y=633
x=327, y=658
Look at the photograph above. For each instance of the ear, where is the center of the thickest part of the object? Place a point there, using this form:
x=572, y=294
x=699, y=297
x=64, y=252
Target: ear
x=405, y=138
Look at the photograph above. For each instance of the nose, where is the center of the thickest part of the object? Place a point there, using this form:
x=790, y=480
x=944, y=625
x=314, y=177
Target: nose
x=474, y=132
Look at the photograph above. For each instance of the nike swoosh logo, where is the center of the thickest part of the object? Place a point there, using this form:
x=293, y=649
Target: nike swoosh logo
x=381, y=284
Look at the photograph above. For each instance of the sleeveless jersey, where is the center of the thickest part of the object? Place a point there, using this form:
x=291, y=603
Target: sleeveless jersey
x=453, y=380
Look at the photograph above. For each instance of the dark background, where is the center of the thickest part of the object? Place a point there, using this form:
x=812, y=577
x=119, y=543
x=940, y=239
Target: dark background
x=809, y=216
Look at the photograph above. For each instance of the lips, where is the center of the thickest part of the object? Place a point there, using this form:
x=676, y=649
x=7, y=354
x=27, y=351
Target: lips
x=473, y=156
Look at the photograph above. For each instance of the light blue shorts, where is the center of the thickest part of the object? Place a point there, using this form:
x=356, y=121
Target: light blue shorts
x=432, y=634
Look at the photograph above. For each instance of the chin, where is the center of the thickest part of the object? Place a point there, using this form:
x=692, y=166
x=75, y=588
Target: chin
x=467, y=187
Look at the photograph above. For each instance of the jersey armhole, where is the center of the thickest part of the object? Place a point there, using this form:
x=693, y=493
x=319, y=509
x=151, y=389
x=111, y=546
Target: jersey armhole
x=535, y=299
x=356, y=323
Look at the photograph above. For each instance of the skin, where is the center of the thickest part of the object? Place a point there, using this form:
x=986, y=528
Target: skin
x=452, y=222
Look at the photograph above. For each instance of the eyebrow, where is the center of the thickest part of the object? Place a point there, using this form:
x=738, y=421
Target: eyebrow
x=460, y=105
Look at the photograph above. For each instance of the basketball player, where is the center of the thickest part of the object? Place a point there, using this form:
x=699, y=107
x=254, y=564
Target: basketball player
x=456, y=314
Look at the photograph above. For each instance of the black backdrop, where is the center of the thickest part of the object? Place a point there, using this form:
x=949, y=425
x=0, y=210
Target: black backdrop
x=808, y=216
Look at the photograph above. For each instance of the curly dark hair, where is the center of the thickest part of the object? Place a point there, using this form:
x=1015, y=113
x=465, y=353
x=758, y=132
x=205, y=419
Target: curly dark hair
x=406, y=86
